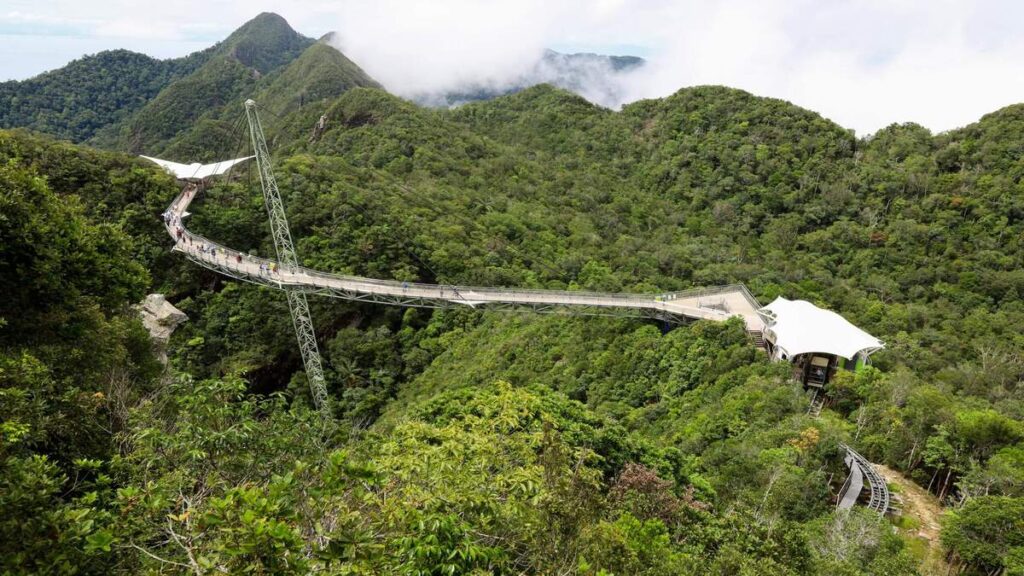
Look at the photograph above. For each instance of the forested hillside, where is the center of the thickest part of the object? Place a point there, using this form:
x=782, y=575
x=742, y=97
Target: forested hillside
x=196, y=116
x=235, y=67
x=467, y=442
x=79, y=99
x=121, y=99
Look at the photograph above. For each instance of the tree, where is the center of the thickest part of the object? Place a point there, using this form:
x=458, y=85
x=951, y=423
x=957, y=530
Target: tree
x=983, y=533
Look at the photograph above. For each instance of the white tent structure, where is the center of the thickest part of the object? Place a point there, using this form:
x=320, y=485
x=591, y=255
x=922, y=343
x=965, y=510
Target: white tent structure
x=197, y=171
x=797, y=327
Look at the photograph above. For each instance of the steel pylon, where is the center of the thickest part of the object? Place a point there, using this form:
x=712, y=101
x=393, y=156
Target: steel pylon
x=286, y=258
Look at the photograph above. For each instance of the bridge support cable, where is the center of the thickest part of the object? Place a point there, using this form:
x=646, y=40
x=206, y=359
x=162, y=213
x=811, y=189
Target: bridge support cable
x=286, y=257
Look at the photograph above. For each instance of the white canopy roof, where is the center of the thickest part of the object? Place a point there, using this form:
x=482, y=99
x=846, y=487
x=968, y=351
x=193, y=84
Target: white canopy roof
x=197, y=171
x=801, y=327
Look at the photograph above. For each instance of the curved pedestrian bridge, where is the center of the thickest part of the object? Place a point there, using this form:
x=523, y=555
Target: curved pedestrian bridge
x=718, y=303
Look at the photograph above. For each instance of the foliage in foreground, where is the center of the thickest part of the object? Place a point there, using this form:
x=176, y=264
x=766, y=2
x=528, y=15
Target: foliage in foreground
x=504, y=480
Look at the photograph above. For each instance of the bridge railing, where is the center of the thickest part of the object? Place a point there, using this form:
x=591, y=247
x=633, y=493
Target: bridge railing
x=500, y=291
x=879, y=496
x=286, y=275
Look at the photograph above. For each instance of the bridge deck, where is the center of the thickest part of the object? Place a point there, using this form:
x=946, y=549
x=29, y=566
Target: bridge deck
x=718, y=303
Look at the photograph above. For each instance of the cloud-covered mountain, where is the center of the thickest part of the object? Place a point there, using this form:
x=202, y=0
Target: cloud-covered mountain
x=597, y=77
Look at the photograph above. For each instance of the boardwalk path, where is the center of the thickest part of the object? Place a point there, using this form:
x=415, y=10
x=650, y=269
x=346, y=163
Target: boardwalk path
x=718, y=303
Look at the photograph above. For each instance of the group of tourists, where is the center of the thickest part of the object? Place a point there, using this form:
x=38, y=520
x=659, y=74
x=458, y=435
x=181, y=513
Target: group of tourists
x=170, y=218
x=265, y=268
x=173, y=219
x=454, y=291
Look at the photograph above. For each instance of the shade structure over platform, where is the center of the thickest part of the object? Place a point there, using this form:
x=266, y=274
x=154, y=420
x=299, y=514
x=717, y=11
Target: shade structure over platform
x=197, y=171
x=800, y=327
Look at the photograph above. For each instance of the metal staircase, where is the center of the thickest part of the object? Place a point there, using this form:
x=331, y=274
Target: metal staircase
x=757, y=336
x=817, y=403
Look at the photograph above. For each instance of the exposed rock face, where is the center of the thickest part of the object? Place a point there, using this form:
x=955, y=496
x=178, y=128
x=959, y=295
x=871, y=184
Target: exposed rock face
x=160, y=317
x=321, y=125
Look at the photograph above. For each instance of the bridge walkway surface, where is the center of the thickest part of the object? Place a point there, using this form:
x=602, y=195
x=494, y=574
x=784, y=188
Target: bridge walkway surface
x=718, y=303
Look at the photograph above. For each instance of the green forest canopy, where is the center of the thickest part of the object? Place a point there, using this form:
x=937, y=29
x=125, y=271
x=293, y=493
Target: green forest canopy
x=511, y=443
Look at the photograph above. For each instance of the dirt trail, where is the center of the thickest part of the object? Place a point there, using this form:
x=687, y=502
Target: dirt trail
x=924, y=508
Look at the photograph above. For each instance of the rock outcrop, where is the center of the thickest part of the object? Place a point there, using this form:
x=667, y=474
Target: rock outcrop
x=160, y=318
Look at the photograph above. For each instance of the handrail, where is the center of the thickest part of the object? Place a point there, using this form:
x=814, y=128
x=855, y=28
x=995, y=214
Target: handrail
x=471, y=295
x=879, y=497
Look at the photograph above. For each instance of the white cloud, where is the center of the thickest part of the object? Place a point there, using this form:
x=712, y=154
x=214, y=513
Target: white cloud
x=425, y=46
x=865, y=64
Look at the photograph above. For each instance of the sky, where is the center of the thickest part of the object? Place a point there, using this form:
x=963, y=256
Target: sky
x=862, y=63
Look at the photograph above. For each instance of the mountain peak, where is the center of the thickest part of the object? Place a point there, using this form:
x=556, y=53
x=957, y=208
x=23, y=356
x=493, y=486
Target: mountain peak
x=263, y=23
x=271, y=17
x=265, y=42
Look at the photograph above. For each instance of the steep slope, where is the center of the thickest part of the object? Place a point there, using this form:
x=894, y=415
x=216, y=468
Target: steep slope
x=259, y=47
x=919, y=522
x=184, y=102
x=264, y=43
x=320, y=73
x=76, y=101
x=306, y=85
